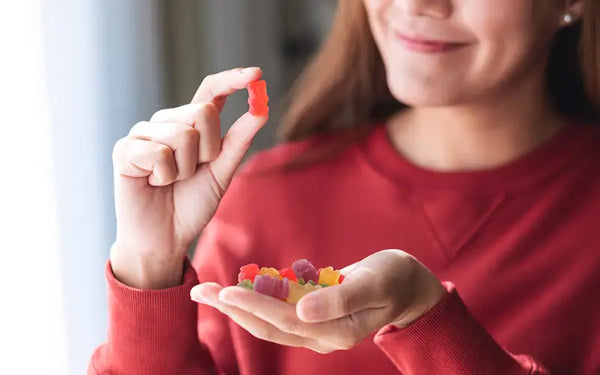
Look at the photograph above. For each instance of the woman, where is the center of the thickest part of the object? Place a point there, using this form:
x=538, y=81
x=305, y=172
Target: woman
x=469, y=144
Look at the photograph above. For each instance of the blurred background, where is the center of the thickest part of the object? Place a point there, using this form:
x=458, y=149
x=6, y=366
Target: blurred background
x=76, y=76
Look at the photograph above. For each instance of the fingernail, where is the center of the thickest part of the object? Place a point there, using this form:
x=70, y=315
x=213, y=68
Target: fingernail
x=249, y=70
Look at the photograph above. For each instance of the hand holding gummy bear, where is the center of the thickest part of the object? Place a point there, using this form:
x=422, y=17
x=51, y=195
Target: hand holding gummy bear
x=172, y=171
x=387, y=287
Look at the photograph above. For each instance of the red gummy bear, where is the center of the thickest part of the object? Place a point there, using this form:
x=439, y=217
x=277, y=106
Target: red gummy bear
x=289, y=273
x=257, y=98
x=249, y=272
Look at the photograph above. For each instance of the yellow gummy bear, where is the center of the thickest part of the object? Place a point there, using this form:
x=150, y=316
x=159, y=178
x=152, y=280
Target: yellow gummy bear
x=329, y=276
x=269, y=271
x=297, y=291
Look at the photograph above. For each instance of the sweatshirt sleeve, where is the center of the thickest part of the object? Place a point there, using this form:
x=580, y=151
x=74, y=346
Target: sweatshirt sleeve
x=449, y=340
x=152, y=331
x=164, y=331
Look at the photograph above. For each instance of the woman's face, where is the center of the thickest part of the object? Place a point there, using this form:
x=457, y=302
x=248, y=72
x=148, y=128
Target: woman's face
x=444, y=52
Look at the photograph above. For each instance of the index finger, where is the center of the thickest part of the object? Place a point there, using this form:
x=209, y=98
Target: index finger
x=216, y=87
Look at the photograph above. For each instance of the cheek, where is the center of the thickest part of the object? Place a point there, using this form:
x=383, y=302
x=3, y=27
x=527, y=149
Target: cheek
x=376, y=10
x=501, y=43
x=513, y=37
x=509, y=40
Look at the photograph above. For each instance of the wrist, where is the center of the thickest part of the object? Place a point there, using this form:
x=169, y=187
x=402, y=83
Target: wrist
x=143, y=272
x=429, y=291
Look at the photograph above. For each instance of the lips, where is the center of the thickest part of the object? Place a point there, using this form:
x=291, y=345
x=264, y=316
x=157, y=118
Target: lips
x=419, y=44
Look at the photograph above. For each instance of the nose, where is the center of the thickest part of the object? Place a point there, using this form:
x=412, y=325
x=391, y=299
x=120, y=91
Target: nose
x=440, y=9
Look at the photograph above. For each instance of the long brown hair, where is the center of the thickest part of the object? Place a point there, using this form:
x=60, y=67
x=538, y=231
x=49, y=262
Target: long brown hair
x=344, y=86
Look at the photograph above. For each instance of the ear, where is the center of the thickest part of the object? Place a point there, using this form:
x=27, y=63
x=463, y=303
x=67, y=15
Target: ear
x=573, y=11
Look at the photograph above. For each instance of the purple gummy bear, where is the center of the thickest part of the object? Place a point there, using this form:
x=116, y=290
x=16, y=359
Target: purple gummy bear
x=304, y=269
x=272, y=286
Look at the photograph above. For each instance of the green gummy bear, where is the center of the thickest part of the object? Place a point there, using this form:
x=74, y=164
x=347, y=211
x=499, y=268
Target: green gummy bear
x=301, y=281
x=246, y=283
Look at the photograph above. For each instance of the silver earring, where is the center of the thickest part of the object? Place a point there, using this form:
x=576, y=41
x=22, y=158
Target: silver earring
x=567, y=18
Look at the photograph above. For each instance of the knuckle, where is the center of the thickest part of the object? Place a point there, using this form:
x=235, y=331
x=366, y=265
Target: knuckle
x=185, y=174
x=137, y=127
x=325, y=348
x=263, y=334
x=212, y=154
x=232, y=141
x=189, y=136
x=406, y=257
x=118, y=145
x=118, y=149
x=399, y=254
x=345, y=304
x=345, y=343
x=158, y=114
x=164, y=153
x=206, y=112
x=290, y=327
x=207, y=80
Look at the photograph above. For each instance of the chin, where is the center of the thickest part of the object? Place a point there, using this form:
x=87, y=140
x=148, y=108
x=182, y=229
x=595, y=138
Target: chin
x=415, y=95
x=423, y=91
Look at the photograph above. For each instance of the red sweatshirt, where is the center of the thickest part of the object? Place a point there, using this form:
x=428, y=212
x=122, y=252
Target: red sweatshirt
x=518, y=248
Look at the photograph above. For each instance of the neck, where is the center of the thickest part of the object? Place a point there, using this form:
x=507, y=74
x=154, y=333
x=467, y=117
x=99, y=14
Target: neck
x=479, y=135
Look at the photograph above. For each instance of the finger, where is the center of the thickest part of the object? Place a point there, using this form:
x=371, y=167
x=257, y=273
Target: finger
x=216, y=87
x=356, y=293
x=207, y=293
x=210, y=133
x=342, y=333
x=281, y=314
x=276, y=312
x=181, y=138
x=139, y=158
x=348, y=269
x=234, y=146
x=204, y=117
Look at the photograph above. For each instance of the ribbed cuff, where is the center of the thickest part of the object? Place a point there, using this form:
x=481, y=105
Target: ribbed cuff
x=152, y=331
x=155, y=297
x=446, y=340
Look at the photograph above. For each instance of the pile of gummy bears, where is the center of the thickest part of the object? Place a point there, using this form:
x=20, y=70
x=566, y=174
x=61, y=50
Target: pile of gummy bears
x=288, y=284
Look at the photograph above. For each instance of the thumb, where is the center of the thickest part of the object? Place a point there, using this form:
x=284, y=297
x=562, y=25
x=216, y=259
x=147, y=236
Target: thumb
x=337, y=301
x=235, y=145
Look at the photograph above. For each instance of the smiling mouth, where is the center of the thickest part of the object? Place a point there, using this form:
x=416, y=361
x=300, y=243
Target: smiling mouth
x=425, y=45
